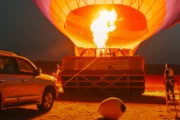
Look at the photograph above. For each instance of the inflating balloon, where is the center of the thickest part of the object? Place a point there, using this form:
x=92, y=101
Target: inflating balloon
x=122, y=24
x=112, y=108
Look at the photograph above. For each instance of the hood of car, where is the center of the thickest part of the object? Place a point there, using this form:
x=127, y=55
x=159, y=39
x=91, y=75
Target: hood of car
x=47, y=77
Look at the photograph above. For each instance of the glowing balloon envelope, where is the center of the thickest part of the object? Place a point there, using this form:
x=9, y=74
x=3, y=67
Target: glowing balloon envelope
x=134, y=21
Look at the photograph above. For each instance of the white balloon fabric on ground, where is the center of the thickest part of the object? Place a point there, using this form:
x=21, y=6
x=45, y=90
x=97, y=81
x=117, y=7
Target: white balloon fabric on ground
x=112, y=108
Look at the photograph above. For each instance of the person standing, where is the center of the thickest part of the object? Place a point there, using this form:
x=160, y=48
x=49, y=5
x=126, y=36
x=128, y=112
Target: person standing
x=56, y=72
x=169, y=80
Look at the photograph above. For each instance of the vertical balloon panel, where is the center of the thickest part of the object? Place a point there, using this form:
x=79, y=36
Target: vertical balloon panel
x=58, y=12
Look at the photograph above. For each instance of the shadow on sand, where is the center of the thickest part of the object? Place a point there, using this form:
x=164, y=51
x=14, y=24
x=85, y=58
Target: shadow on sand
x=104, y=118
x=19, y=114
x=98, y=97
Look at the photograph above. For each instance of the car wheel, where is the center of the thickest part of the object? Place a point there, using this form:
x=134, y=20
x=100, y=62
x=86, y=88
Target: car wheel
x=47, y=101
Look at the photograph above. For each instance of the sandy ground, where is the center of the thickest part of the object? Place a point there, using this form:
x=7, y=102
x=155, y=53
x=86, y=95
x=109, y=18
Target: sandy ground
x=149, y=106
x=145, y=107
x=88, y=111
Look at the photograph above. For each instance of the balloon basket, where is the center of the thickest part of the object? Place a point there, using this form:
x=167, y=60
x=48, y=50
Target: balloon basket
x=105, y=74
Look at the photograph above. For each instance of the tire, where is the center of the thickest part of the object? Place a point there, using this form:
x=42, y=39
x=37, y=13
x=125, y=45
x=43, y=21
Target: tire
x=47, y=100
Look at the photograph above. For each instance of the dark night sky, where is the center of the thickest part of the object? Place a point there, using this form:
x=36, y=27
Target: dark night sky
x=25, y=31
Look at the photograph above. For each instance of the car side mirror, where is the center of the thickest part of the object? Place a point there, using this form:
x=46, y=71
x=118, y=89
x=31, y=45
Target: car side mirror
x=39, y=71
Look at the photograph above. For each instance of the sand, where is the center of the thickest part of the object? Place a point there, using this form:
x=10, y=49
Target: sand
x=149, y=106
x=63, y=109
x=88, y=111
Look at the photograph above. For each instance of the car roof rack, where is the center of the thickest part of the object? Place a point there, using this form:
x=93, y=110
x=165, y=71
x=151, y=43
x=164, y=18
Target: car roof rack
x=7, y=52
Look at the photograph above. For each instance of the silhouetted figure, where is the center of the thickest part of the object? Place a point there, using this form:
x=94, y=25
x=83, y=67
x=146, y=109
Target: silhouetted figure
x=169, y=80
x=56, y=71
x=114, y=54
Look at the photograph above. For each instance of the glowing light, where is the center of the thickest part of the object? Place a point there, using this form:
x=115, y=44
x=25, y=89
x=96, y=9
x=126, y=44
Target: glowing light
x=102, y=26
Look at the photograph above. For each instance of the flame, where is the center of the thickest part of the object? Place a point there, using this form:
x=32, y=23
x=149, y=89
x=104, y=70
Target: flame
x=101, y=27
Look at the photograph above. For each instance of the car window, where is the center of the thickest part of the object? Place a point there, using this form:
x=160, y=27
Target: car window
x=8, y=65
x=25, y=66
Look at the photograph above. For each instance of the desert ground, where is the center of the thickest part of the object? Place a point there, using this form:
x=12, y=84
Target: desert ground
x=149, y=106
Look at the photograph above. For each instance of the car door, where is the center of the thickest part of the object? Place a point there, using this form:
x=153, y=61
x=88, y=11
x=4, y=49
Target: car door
x=31, y=87
x=10, y=81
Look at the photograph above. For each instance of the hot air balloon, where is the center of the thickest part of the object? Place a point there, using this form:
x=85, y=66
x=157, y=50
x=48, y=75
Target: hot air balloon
x=135, y=21
x=108, y=28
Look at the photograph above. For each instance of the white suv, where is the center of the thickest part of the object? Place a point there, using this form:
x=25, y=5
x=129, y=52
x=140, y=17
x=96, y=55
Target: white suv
x=22, y=83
